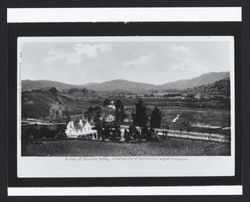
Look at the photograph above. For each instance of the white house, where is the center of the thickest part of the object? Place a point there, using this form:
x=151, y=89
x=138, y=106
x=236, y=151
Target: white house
x=111, y=105
x=79, y=128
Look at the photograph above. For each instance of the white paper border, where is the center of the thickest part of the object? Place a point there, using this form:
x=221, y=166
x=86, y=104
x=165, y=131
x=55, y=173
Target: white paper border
x=117, y=191
x=156, y=14
x=29, y=167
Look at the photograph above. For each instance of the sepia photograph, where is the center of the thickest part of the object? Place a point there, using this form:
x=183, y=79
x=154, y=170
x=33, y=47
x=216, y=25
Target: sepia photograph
x=125, y=97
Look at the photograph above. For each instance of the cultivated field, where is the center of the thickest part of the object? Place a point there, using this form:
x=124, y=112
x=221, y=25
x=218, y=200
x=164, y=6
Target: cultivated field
x=199, y=113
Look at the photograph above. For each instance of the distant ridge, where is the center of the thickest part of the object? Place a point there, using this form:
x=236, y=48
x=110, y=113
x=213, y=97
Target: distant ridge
x=28, y=85
x=221, y=87
x=203, y=79
x=120, y=85
x=124, y=85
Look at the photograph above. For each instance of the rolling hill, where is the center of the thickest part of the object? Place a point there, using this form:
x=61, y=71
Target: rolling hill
x=221, y=87
x=37, y=103
x=204, y=79
x=28, y=85
x=120, y=85
x=124, y=85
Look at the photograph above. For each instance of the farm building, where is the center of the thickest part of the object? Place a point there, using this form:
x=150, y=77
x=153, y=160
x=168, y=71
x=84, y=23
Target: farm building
x=111, y=105
x=108, y=114
x=80, y=128
x=109, y=118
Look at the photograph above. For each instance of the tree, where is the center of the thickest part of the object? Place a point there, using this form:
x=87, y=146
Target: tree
x=53, y=91
x=140, y=115
x=106, y=102
x=84, y=90
x=97, y=114
x=73, y=90
x=66, y=115
x=144, y=132
x=119, y=111
x=155, y=118
x=93, y=113
x=89, y=113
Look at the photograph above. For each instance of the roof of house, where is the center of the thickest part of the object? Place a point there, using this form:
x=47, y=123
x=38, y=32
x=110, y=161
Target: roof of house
x=107, y=111
x=111, y=106
x=79, y=124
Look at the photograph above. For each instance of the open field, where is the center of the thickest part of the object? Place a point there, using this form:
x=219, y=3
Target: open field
x=165, y=147
x=38, y=103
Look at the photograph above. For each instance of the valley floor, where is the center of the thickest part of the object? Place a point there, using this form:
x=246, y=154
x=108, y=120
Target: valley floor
x=165, y=147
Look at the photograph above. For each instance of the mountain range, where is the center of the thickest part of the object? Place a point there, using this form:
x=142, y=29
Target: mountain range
x=124, y=85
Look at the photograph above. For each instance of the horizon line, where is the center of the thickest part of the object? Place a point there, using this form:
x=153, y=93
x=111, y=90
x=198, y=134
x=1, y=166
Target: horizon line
x=121, y=79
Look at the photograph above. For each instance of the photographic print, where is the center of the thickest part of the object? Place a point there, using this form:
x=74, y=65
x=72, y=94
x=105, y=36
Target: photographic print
x=142, y=99
x=118, y=101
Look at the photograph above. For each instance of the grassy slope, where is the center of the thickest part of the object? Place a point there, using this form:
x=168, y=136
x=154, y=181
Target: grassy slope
x=42, y=100
x=165, y=147
x=221, y=87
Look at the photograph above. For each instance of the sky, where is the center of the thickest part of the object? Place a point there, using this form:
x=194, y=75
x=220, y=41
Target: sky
x=154, y=62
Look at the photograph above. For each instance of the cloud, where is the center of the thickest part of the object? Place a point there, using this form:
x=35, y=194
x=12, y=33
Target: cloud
x=189, y=65
x=91, y=50
x=183, y=58
x=181, y=49
x=142, y=60
x=80, y=51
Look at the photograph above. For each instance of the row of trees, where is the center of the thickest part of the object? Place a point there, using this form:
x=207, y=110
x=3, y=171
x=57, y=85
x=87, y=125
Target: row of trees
x=93, y=113
x=96, y=112
x=141, y=117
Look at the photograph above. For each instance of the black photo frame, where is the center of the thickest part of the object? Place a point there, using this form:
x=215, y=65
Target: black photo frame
x=16, y=30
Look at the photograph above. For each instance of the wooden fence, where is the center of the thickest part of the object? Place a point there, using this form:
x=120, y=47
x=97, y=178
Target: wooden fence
x=161, y=132
x=189, y=135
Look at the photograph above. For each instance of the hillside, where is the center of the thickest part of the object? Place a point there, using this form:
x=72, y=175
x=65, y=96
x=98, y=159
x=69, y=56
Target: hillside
x=37, y=103
x=221, y=87
x=129, y=86
x=120, y=85
x=204, y=79
x=28, y=85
